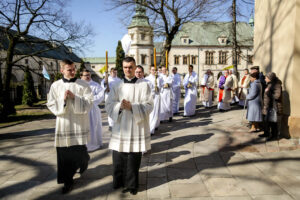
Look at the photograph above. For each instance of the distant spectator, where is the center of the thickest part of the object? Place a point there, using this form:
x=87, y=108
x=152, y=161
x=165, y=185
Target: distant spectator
x=273, y=108
x=254, y=98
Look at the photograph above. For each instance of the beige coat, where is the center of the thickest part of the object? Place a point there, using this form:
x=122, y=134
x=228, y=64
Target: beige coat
x=243, y=87
x=205, y=89
x=227, y=95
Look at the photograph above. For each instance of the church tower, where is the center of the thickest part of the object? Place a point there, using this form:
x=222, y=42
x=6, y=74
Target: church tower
x=141, y=34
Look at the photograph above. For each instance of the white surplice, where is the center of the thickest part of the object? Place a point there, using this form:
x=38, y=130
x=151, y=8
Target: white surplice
x=131, y=131
x=176, y=87
x=154, y=115
x=166, y=98
x=111, y=82
x=95, y=141
x=72, y=116
x=190, y=98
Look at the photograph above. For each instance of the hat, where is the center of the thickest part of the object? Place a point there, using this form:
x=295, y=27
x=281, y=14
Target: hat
x=271, y=76
x=255, y=67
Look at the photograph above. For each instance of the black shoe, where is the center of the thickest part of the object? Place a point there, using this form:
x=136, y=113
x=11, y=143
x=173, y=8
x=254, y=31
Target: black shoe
x=263, y=135
x=118, y=186
x=156, y=129
x=109, y=128
x=272, y=139
x=221, y=110
x=170, y=119
x=67, y=188
x=133, y=191
x=126, y=190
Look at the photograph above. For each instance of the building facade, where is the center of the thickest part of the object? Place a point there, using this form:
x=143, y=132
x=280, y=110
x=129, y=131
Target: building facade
x=277, y=49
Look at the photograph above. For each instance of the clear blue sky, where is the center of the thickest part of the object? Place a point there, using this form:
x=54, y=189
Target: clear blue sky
x=107, y=25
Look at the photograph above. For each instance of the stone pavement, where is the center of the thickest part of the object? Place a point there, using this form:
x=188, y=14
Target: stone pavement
x=207, y=157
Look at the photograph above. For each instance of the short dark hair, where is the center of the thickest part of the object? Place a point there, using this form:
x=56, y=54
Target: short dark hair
x=129, y=59
x=139, y=66
x=191, y=66
x=84, y=70
x=66, y=62
x=112, y=69
x=255, y=75
x=175, y=68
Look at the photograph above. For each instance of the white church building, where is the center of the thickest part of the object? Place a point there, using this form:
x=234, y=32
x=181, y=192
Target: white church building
x=205, y=45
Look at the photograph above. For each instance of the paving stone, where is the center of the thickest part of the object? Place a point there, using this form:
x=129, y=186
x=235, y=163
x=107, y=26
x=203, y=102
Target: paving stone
x=188, y=190
x=233, y=198
x=181, y=175
x=158, y=188
x=224, y=187
x=158, y=170
x=272, y=197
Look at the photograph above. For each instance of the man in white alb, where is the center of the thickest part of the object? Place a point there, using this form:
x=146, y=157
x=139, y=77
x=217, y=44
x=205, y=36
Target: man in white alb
x=166, y=97
x=129, y=104
x=95, y=141
x=190, y=85
x=176, y=87
x=207, y=89
x=156, y=88
x=113, y=79
x=70, y=100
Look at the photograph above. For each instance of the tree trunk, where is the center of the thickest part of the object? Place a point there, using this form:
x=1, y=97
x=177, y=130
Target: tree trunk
x=234, y=47
x=7, y=102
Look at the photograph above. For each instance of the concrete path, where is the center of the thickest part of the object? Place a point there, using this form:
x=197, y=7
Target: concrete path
x=207, y=157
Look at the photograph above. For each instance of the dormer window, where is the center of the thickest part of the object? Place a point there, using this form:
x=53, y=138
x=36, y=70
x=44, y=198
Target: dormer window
x=185, y=40
x=222, y=40
x=142, y=36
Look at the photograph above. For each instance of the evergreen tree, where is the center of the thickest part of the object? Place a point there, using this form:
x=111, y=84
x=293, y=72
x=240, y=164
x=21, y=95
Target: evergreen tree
x=29, y=94
x=120, y=55
x=57, y=76
x=82, y=67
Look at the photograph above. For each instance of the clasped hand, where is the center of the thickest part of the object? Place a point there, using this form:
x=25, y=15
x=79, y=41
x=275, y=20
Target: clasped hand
x=126, y=105
x=68, y=94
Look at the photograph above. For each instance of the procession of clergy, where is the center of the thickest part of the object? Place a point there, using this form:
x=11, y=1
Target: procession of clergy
x=136, y=105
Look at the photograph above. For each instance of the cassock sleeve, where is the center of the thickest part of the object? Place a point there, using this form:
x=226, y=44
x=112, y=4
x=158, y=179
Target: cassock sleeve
x=143, y=109
x=98, y=94
x=55, y=102
x=83, y=104
x=112, y=103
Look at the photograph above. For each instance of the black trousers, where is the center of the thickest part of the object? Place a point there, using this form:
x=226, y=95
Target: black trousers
x=69, y=160
x=126, y=169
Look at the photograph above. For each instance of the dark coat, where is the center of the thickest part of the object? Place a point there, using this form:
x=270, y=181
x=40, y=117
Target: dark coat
x=254, y=99
x=273, y=97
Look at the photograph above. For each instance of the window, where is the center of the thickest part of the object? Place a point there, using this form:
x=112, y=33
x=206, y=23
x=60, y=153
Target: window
x=250, y=59
x=93, y=66
x=51, y=64
x=131, y=36
x=176, y=60
x=194, y=60
x=222, y=57
x=185, y=58
x=26, y=61
x=143, y=59
x=40, y=63
x=209, y=57
x=142, y=36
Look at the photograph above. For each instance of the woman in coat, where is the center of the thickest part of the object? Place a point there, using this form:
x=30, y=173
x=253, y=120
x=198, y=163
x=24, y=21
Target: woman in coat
x=254, y=98
x=273, y=108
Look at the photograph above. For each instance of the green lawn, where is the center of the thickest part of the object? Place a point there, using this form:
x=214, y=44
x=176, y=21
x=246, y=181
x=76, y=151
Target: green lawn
x=25, y=113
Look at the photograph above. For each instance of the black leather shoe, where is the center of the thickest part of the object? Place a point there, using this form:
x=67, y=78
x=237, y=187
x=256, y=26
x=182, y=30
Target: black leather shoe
x=263, y=135
x=133, y=191
x=170, y=119
x=126, y=190
x=67, y=188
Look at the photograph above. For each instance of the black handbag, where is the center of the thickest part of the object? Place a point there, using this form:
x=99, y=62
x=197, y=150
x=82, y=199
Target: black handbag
x=272, y=115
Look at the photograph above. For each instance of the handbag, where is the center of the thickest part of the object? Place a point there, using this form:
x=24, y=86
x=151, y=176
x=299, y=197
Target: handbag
x=272, y=113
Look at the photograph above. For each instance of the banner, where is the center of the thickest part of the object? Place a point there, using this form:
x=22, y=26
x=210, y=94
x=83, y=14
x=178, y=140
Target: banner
x=126, y=43
x=45, y=73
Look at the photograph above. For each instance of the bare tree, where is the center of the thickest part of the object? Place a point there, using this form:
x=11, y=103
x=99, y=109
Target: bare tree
x=167, y=16
x=39, y=25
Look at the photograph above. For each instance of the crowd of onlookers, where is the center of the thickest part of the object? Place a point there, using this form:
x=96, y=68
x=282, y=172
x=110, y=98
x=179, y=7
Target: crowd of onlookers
x=264, y=103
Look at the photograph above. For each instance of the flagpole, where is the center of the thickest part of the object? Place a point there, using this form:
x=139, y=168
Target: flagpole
x=106, y=72
x=155, y=67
